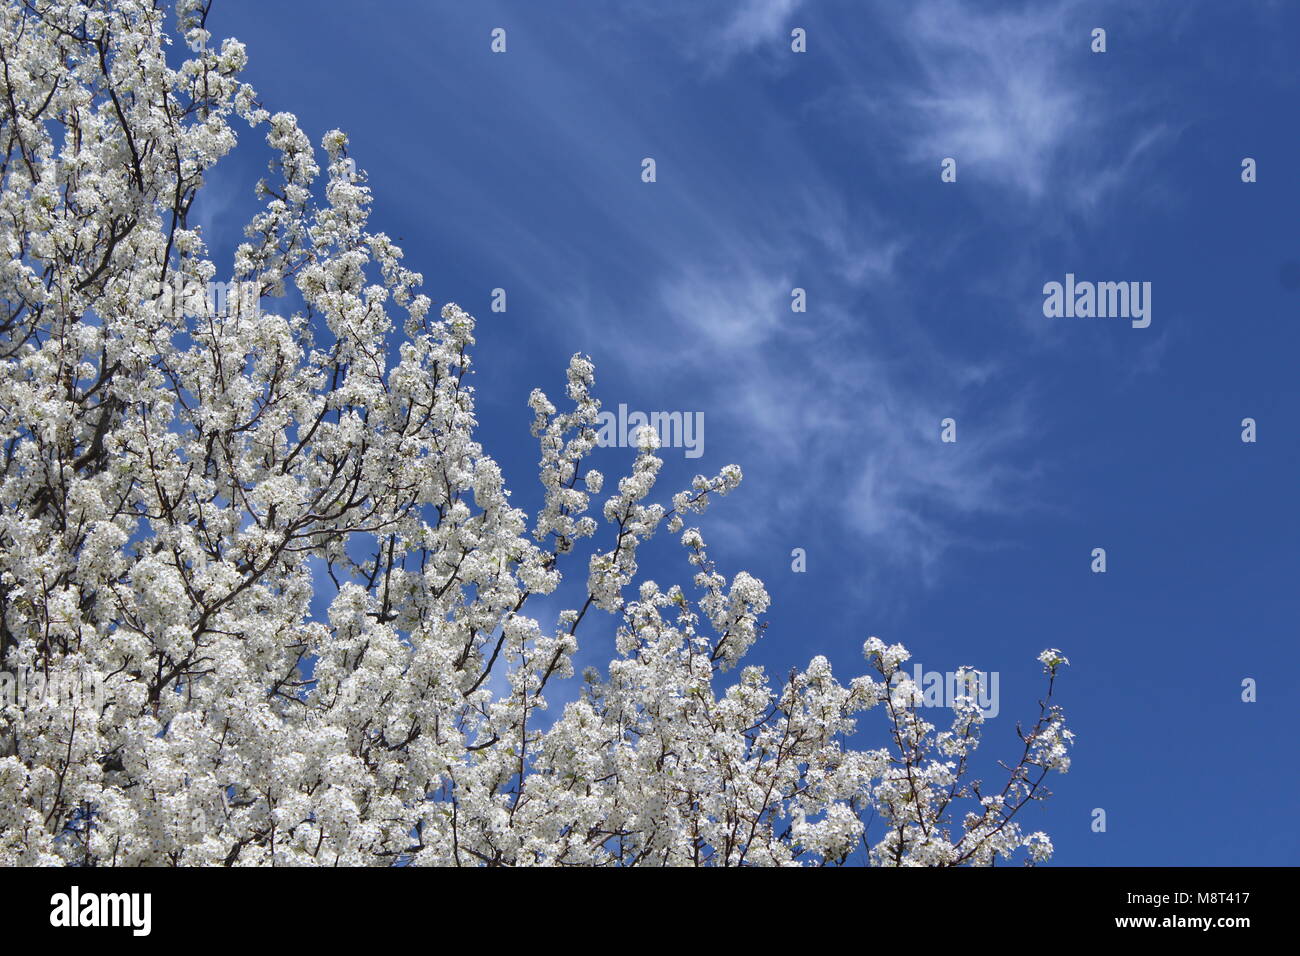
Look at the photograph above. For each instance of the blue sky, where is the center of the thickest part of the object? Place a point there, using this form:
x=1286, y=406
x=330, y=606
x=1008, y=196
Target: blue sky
x=821, y=171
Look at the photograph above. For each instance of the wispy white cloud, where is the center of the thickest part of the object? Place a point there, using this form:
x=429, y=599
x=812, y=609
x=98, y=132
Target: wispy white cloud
x=757, y=22
x=990, y=91
x=713, y=35
x=1008, y=93
x=851, y=410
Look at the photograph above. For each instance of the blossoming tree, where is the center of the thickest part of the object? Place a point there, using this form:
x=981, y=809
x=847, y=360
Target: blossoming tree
x=177, y=480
